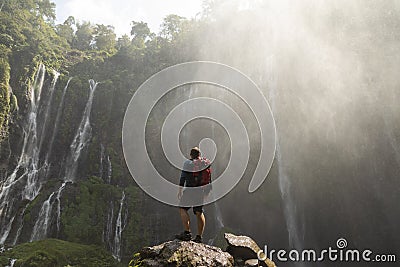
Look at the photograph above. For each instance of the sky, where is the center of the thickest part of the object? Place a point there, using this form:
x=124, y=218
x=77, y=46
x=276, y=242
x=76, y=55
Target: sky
x=120, y=13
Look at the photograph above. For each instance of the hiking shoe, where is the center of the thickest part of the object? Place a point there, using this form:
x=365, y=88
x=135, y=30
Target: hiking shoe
x=197, y=239
x=185, y=236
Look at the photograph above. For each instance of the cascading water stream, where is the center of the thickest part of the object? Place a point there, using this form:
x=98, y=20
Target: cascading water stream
x=219, y=223
x=79, y=142
x=81, y=138
x=119, y=227
x=58, y=199
x=109, y=170
x=218, y=216
x=56, y=123
x=21, y=225
x=33, y=185
x=48, y=108
x=285, y=187
x=44, y=219
x=107, y=234
x=6, y=231
x=27, y=165
x=101, y=169
x=12, y=262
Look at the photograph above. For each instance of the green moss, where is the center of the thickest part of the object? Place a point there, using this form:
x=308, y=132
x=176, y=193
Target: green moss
x=54, y=252
x=4, y=96
x=136, y=260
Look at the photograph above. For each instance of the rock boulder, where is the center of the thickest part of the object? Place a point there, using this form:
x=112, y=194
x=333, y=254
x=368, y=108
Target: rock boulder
x=182, y=253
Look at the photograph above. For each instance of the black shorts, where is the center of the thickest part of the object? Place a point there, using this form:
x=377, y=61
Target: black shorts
x=186, y=195
x=195, y=209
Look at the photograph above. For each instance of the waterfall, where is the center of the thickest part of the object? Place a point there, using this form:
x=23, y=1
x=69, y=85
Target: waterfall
x=6, y=231
x=219, y=223
x=218, y=217
x=44, y=220
x=48, y=108
x=27, y=165
x=32, y=186
x=56, y=123
x=12, y=262
x=285, y=187
x=290, y=209
x=109, y=170
x=105, y=173
x=58, y=199
x=81, y=138
x=107, y=234
x=119, y=227
x=21, y=225
x=101, y=169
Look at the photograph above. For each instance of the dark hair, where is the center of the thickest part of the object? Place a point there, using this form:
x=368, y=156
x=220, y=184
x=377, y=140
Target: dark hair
x=195, y=152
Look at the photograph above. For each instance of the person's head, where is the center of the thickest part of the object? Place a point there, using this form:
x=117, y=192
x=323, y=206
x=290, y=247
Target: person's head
x=195, y=153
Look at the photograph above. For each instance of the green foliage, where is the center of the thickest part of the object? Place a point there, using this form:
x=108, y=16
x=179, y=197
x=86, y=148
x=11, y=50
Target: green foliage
x=4, y=96
x=65, y=30
x=54, y=252
x=85, y=213
x=140, y=32
x=172, y=26
x=83, y=36
x=105, y=38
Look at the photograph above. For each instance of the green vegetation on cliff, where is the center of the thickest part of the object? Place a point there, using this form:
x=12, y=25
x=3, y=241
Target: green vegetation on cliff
x=4, y=96
x=54, y=252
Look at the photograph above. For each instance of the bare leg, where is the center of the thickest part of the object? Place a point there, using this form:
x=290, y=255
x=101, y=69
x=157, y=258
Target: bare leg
x=201, y=222
x=185, y=219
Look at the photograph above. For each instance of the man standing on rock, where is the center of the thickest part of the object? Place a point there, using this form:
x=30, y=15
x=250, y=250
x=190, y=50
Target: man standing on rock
x=196, y=172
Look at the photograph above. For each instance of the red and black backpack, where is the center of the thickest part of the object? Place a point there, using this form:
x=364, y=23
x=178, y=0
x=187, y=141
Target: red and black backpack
x=201, y=171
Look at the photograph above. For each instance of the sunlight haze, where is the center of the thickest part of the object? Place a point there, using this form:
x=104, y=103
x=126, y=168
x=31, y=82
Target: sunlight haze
x=120, y=13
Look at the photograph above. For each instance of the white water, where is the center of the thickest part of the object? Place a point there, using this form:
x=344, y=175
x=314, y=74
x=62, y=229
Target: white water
x=12, y=262
x=58, y=199
x=119, y=227
x=81, y=138
x=21, y=225
x=27, y=165
x=56, y=123
x=289, y=204
x=290, y=209
x=107, y=234
x=33, y=185
x=220, y=222
x=6, y=230
x=48, y=108
x=79, y=142
x=109, y=170
x=44, y=220
x=101, y=169
x=105, y=173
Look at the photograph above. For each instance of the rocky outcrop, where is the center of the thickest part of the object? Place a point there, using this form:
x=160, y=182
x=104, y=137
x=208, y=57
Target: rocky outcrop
x=182, y=253
x=241, y=251
x=244, y=249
